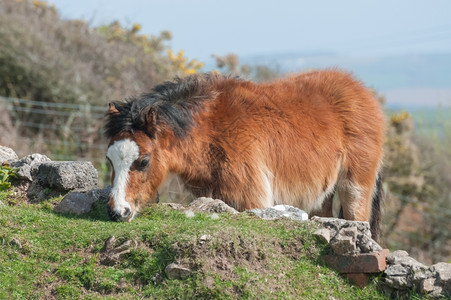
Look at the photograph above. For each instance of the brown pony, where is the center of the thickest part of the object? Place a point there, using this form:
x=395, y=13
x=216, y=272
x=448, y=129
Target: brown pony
x=313, y=141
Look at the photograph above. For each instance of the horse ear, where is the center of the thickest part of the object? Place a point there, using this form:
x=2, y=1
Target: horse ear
x=112, y=109
x=150, y=118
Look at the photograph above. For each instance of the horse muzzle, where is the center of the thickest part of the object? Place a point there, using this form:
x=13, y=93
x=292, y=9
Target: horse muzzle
x=123, y=213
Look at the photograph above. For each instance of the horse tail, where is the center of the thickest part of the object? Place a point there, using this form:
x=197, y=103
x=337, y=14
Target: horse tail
x=376, y=208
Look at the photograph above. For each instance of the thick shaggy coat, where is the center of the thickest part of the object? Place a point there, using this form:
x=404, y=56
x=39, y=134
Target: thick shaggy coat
x=312, y=140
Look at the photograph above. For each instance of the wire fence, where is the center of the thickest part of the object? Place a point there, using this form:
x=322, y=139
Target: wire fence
x=64, y=130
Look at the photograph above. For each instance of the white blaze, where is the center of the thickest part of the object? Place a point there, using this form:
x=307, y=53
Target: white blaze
x=122, y=154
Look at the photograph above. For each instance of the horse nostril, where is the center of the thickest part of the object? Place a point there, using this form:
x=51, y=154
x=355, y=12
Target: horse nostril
x=127, y=212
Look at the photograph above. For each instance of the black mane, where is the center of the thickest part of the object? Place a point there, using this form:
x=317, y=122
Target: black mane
x=175, y=102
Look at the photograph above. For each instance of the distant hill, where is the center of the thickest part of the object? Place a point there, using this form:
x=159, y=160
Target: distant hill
x=409, y=81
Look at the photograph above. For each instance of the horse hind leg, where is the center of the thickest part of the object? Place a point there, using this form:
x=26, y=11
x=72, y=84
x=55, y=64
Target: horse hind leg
x=355, y=196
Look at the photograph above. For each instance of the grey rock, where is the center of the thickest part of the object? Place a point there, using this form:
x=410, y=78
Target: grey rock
x=396, y=256
x=28, y=164
x=359, y=231
x=210, y=205
x=176, y=206
x=280, y=211
x=405, y=273
x=176, y=271
x=204, y=238
x=81, y=203
x=7, y=155
x=323, y=234
x=427, y=286
x=398, y=282
x=349, y=232
x=55, y=178
x=366, y=244
x=342, y=245
x=396, y=270
x=157, y=279
x=80, y=176
x=442, y=272
x=337, y=224
x=364, y=241
x=345, y=241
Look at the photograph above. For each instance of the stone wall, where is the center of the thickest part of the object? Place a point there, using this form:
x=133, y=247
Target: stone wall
x=353, y=252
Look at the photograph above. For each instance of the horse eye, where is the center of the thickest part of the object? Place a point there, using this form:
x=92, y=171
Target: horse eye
x=144, y=162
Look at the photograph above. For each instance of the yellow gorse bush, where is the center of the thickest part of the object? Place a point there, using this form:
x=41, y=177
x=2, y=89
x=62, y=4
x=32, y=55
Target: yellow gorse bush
x=182, y=63
x=399, y=117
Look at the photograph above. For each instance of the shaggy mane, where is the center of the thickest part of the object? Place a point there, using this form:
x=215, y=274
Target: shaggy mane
x=175, y=103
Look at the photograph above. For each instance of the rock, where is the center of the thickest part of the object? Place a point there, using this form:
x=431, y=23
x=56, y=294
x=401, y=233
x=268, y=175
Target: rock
x=28, y=164
x=404, y=272
x=396, y=270
x=189, y=213
x=157, y=279
x=366, y=244
x=176, y=271
x=280, y=211
x=322, y=234
x=397, y=256
x=204, y=204
x=427, y=286
x=204, y=238
x=81, y=203
x=176, y=206
x=342, y=245
x=358, y=263
x=59, y=177
x=7, y=155
x=442, y=271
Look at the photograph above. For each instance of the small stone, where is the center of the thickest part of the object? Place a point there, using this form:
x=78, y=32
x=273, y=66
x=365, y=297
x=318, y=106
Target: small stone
x=342, y=245
x=398, y=282
x=189, y=214
x=396, y=270
x=204, y=238
x=209, y=205
x=176, y=206
x=443, y=271
x=280, y=211
x=7, y=155
x=427, y=285
x=157, y=279
x=350, y=231
x=323, y=235
x=28, y=164
x=396, y=256
x=176, y=271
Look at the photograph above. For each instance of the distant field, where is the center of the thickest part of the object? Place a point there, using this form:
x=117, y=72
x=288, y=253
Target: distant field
x=433, y=122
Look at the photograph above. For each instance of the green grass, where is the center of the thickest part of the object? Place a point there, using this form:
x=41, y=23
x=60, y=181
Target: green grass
x=47, y=255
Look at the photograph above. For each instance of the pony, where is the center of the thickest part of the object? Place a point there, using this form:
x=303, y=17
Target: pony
x=312, y=140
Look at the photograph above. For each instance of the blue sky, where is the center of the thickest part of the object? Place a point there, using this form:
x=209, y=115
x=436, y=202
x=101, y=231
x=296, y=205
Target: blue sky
x=346, y=27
